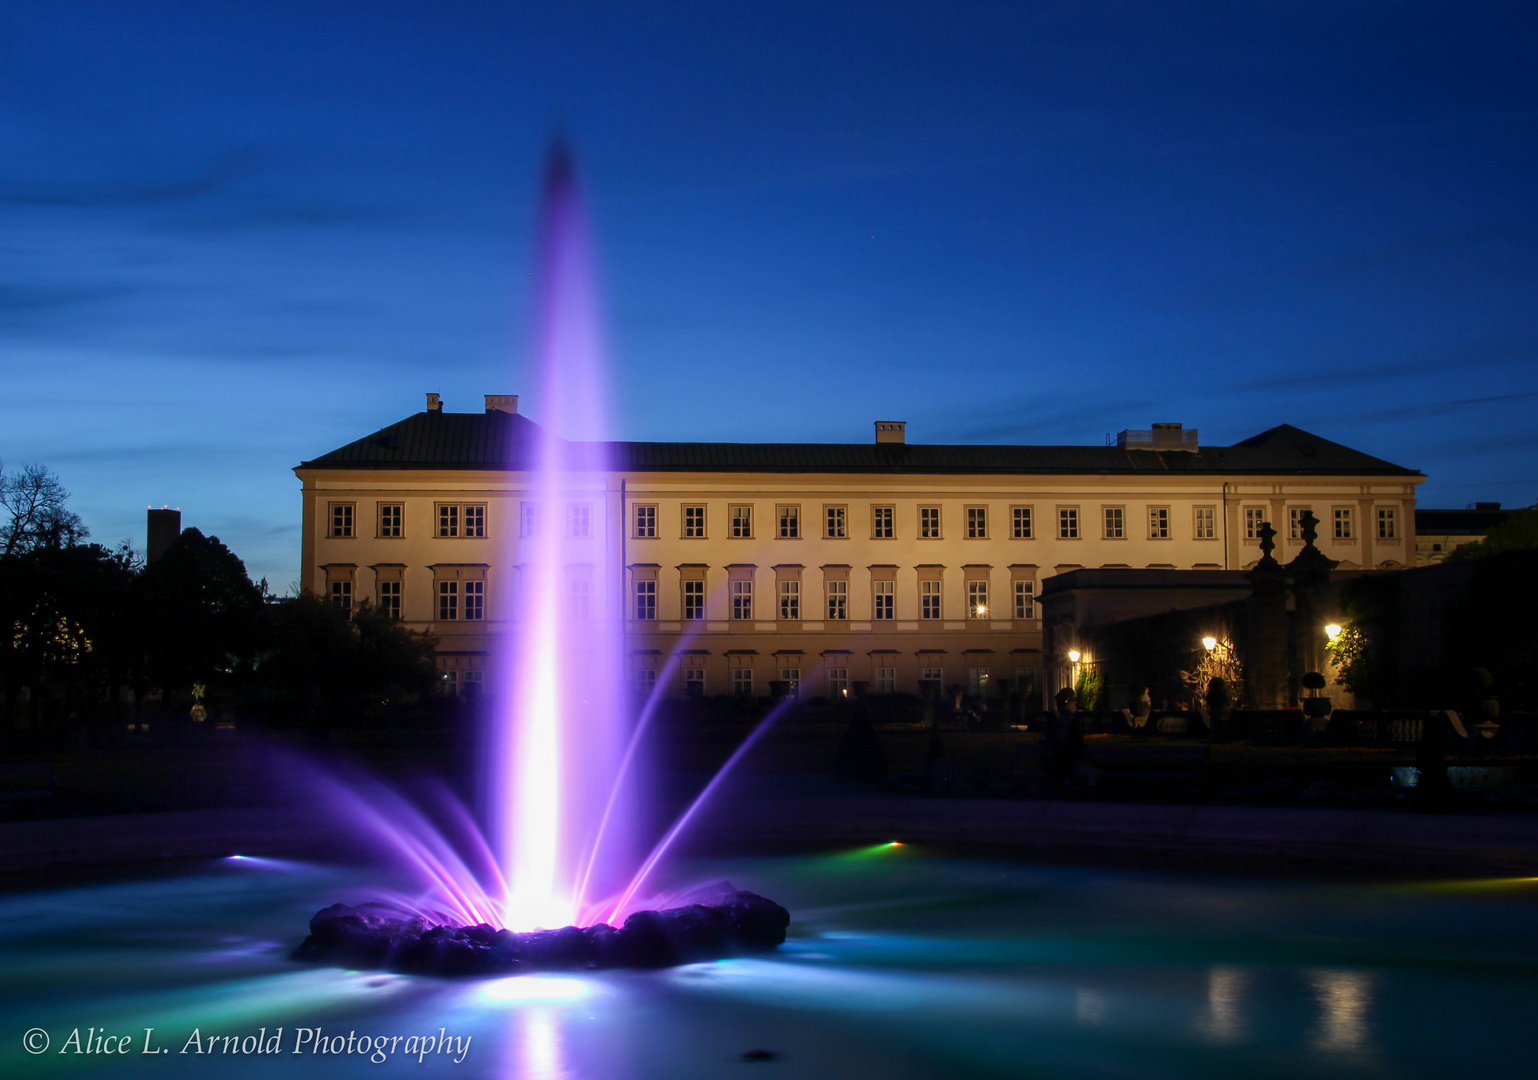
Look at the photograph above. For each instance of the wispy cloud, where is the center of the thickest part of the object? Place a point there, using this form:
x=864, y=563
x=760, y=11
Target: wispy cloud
x=219, y=175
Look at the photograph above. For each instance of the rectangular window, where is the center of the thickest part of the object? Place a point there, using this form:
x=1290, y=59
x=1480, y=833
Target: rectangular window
x=1206, y=523
x=884, y=598
x=1021, y=527
x=529, y=519
x=790, y=522
x=694, y=522
x=1343, y=529
x=790, y=600
x=1025, y=599
x=977, y=681
x=838, y=682
x=791, y=677
x=977, y=599
x=580, y=520
x=694, y=600
x=882, y=524
x=838, y=600
x=1068, y=523
x=929, y=523
x=475, y=599
x=391, y=516
x=742, y=522
x=1254, y=518
x=929, y=599
x=448, y=600
x=449, y=683
x=472, y=683
x=694, y=682
x=837, y=522
x=1388, y=524
x=1295, y=522
x=930, y=675
x=1158, y=523
x=581, y=599
x=742, y=599
x=742, y=681
x=390, y=599
x=1115, y=523
x=977, y=523
x=341, y=519
x=475, y=521
x=645, y=681
x=646, y=600
x=645, y=522
x=341, y=596
x=448, y=520
x=886, y=680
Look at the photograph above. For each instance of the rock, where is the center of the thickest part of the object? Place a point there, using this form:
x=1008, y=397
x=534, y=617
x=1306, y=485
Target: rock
x=725, y=922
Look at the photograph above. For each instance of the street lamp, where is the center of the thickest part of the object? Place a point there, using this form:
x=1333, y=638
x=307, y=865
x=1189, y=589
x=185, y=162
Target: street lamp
x=1332, y=631
x=1073, y=656
x=1209, y=643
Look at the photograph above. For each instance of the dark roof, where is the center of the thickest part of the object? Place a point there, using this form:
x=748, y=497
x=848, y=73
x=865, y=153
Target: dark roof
x=498, y=440
x=1432, y=522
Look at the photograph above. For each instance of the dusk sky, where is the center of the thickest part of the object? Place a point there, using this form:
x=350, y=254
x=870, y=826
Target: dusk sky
x=238, y=236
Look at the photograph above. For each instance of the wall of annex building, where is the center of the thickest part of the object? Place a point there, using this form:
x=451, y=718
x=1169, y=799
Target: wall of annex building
x=709, y=532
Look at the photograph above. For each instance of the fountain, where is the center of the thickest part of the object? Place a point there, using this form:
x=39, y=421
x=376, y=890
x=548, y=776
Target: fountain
x=552, y=889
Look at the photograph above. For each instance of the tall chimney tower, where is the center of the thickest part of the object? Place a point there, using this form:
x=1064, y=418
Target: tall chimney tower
x=165, y=525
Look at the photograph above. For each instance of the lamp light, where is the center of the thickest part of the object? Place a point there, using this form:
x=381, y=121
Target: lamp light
x=1209, y=643
x=1073, y=656
x=1332, y=631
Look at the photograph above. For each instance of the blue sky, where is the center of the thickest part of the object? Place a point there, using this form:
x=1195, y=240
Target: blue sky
x=236, y=236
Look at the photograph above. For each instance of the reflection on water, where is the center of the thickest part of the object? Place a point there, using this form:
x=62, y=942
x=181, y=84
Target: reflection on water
x=1344, y=1000
x=539, y=1045
x=1225, y=988
x=1089, y=1006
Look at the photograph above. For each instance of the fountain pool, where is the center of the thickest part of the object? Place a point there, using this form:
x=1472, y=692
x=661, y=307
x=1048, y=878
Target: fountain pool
x=902, y=962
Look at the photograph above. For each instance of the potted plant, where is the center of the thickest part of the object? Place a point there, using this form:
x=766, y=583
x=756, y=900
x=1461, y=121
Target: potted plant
x=1314, y=706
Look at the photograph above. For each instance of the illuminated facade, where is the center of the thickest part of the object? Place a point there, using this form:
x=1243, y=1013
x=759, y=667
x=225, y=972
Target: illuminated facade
x=891, y=564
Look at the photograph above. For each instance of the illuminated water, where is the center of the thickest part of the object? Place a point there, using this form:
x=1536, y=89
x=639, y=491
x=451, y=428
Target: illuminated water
x=900, y=964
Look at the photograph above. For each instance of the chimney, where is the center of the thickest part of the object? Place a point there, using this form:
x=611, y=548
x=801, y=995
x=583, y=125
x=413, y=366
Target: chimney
x=165, y=526
x=507, y=403
x=891, y=431
x=434, y=404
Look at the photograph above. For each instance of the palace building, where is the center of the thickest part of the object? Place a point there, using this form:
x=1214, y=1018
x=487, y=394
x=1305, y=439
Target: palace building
x=897, y=565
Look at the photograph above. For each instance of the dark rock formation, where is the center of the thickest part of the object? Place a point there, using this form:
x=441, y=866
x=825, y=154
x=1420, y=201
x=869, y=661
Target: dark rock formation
x=730, y=923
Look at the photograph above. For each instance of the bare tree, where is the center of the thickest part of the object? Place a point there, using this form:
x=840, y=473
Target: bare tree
x=36, y=516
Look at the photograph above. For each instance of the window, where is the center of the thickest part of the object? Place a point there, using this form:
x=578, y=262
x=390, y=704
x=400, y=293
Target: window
x=1387, y=524
x=977, y=599
x=475, y=599
x=475, y=521
x=390, y=517
x=930, y=674
x=791, y=677
x=838, y=600
x=742, y=599
x=977, y=681
x=646, y=600
x=579, y=520
x=742, y=522
x=448, y=683
x=977, y=523
x=929, y=599
x=1025, y=599
x=1254, y=519
x=881, y=523
x=1158, y=523
x=390, y=599
x=838, y=682
x=1115, y=525
x=1343, y=524
x=341, y=519
x=448, y=600
x=581, y=599
x=837, y=522
x=472, y=683
x=694, y=522
x=886, y=680
x=1021, y=528
x=884, y=598
x=929, y=523
x=790, y=522
x=694, y=600
x=1068, y=523
x=645, y=522
x=529, y=519
x=645, y=680
x=694, y=681
x=742, y=681
x=1295, y=522
x=1206, y=523
x=448, y=520
x=790, y=600
x=341, y=596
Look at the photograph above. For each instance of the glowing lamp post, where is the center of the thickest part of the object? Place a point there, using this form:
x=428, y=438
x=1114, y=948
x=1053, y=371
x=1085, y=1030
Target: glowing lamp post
x=1332, y=631
x=1209, y=643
